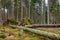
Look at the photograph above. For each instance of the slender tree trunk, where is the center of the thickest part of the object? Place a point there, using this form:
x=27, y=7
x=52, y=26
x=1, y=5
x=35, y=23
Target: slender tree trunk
x=12, y=9
x=42, y=12
x=21, y=9
x=26, y=9
x=3, y=11
x=48, y=16
x=0, y=12
x=17, y=11
x=56, y=13
x=44, y=7
x=29, y=8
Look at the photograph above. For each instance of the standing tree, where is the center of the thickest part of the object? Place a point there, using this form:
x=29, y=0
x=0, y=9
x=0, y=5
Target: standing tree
x=48, y=12
x=43, y=8
x=0, y=12
x=21, y=9
x=12, y=9
x=17, y=11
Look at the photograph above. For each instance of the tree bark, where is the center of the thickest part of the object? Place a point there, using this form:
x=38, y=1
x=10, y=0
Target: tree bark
x=0, y=12
x=44, y=25
x=42, y=12
x=21, y=9
x=48, y=16
x=17, y=11
x=12, y=9
x=39, y=32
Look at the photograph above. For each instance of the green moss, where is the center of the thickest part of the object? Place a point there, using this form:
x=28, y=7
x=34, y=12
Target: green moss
x=33, y=36
x=25, y=35
x=20, y=33
x=2, y=35
x=27, y=21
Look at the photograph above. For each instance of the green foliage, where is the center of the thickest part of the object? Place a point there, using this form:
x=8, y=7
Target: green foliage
x=2, y=35
x=33, y=36
x=20, y=32
x=34, y=1
x=27, y=21
x=13, y=22
x=10, y=21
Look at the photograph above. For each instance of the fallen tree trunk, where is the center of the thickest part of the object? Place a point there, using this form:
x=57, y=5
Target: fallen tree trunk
x=42, y=33
x=44, y=25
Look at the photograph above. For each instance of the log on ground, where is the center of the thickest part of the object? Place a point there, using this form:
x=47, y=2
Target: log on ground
x=40, y=32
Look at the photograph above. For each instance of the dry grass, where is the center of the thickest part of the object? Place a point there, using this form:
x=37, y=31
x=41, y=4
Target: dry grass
x=14, y=32
x=27, y=35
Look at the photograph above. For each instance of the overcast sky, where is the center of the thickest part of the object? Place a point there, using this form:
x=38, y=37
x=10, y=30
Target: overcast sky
x=46, y=1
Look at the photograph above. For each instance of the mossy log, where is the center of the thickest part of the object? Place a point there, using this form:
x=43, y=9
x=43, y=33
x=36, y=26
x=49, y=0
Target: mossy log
x=40, y=32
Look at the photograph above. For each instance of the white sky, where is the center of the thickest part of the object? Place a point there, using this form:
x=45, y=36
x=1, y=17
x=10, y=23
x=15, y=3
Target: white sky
x=59, y=0
x=46, y=1
x=5, y=10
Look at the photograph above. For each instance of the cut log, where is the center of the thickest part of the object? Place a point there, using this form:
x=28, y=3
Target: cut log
x=40, y=32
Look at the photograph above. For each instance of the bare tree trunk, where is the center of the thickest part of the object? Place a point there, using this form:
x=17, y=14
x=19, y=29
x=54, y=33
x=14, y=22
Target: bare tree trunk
x=29, y=7
x=42, y=12
x=12, y=9
x=44, y=7
x=21, y=9
x=26, y=9
x=17, y=11
x=3, y=12
x=48, y=16
x=0, y=12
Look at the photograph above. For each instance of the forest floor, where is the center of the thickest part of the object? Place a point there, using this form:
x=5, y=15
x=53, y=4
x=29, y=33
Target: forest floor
x=9, y=33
